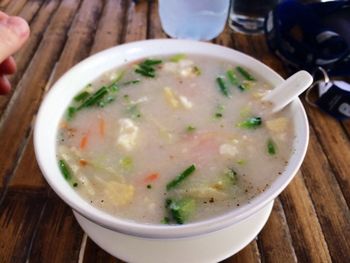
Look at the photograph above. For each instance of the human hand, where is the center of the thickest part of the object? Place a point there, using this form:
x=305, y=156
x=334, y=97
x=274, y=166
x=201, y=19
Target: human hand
x=14, y=31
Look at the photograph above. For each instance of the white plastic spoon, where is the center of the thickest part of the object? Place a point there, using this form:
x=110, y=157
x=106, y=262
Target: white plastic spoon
x=290, y=89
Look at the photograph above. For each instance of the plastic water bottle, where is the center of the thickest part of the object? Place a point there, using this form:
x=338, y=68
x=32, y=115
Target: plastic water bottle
x=193, y=19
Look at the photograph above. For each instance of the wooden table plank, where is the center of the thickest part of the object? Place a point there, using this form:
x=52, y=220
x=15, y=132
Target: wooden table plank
x=330, y=205
x=58, y=236
x=28, y=175
x=308, y=240
x=3, y=4
x=20, y=214
x=110, y=28
x=336, y=145
x=274, y=240
x=79, y=40
x=30, y=10
x=136, y=27
x=155, y=29
x=94, y=254
x=14, y=7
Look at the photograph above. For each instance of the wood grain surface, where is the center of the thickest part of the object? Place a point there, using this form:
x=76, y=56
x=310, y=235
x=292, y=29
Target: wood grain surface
x=310, y=221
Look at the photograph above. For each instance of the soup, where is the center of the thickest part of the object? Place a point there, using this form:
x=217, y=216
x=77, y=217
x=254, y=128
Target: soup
x=173, y=139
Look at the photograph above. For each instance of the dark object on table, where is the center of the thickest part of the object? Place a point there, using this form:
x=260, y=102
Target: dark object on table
x=307, y=36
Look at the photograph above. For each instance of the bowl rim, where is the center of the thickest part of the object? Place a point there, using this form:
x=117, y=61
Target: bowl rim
x=162, y=47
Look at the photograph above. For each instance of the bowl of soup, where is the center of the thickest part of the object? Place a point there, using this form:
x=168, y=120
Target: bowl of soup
x=168, y=139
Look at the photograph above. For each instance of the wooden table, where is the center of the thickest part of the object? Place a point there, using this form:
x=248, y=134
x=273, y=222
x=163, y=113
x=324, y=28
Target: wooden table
x=310, y=221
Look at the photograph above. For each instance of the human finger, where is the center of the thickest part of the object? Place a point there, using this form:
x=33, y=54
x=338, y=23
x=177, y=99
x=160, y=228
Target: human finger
x=5, y=85
x=14, y=31
x=8, y=66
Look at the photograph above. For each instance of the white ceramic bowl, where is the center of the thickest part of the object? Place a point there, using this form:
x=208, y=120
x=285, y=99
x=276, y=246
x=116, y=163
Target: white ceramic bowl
x=62, y=92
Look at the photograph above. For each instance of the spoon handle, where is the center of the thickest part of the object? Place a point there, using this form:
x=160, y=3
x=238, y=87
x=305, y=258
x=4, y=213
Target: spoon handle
x=289, y=90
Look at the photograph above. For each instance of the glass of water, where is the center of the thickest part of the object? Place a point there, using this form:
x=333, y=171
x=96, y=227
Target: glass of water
x=247, y=16
x=193, y=19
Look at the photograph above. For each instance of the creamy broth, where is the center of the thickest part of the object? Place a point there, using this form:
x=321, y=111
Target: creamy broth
x=197, y=116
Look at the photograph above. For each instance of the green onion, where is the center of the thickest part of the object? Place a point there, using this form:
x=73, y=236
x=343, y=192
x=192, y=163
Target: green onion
x=65, y=170
x=71, y=112
x=177, y=57
x=113, y=87
x=251, y=123
x=146, y=68
x=165, y=220
x=196, y=70
x=145, y=73
x=151, y=62
x=127, y=83
x=98, y=98
x=219, y=111
x=245, y=73
x=82, y=96
x=222, y=85
x=231, y=175
x=190, y=128
x=234, y=81
x=232, y=77
x=181, y=209
x=241, y=162
x=94, y=98
x=271, y=147
x=105, y=101
x=177, y=180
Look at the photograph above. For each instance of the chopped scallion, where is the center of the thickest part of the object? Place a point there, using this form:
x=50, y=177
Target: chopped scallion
x=146, y=68
x=190, y=128
x=271, y=147
x=165, y=220
x=151, y=62
x=82, y=96
x=177, y=57
x=94, y=98
x=219, y=112
x=231, y=76
x=130, y=82
x=177, y=180
x=180, y=210
x=222, y=86
x=231, y=175
x=145, y=73
x=196, y=70
x=245, y=74
x=71, y=112
x=65, y=170
x=250, y=123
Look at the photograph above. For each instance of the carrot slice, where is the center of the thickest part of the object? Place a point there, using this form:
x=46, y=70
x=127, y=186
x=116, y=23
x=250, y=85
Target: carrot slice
x=84, y=141
x=151, y=177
